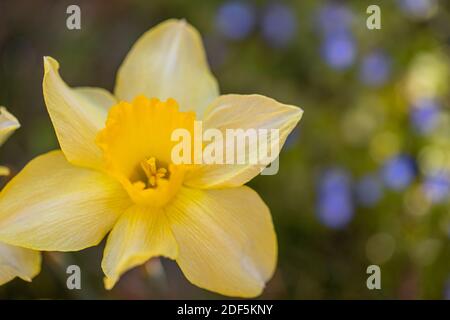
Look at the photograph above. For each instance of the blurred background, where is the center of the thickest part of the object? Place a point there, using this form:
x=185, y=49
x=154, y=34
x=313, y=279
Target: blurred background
x=364, y=179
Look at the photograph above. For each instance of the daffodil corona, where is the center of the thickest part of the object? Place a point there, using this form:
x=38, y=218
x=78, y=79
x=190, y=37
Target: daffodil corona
x=15, y=261
x=137, y=147
x=115, y=172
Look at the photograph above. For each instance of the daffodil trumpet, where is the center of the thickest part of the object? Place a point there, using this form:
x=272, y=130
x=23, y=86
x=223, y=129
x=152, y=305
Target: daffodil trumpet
x=115, y=173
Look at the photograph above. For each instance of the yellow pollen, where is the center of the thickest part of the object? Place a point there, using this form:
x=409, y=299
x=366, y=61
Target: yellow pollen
x=152, y=173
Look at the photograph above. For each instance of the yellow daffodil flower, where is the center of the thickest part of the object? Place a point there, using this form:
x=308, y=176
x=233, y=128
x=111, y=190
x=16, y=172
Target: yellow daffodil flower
x=115, y=172
x=15, y=261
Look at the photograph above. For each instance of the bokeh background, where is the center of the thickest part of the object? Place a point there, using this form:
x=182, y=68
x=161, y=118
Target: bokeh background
x=364, y=179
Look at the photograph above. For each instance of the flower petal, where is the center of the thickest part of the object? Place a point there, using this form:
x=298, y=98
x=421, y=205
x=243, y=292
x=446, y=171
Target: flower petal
x=18, y=262
x=8, y=124
x=99, y=98
x=77, y=115
x=168, y=61
x=226, y=240
x=244, y=112
x=140, y=234
x=53, y=205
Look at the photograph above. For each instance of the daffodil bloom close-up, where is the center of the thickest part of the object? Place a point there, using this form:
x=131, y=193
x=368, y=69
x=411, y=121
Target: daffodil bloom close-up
x=163, y=154
x=14, y=261
x=115, y=173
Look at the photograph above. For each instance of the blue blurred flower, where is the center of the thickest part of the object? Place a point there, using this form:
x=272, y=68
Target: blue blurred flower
x=375, y=69
x=424, y=115
x=338, y=50
x=235, y=19
x=279, y=25
x=333, y=18
x=369, y=190
x=417, y=8
x=335, y=203
x=398, y=172
x=334, y=180
x=437, y=186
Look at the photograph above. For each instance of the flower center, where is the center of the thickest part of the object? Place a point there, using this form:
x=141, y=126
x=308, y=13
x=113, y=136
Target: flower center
x=152, y=173
x=137, y=146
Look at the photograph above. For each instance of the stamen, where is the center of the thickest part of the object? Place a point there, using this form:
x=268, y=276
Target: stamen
x=152, y=173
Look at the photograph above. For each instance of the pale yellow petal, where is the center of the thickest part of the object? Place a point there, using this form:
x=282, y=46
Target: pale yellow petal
x=140, y=234
x=8, y=124
x=18, y=262
x=53, y=205
x=254, y=112
x=226, y=240
x=77, y=115
x=98, y=98
x=168, y=61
